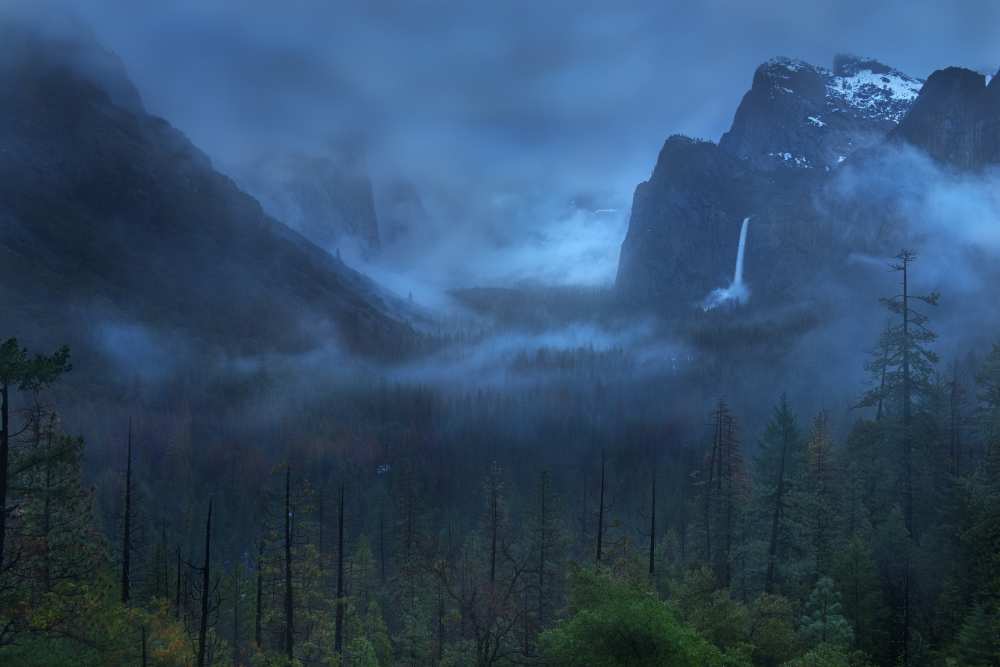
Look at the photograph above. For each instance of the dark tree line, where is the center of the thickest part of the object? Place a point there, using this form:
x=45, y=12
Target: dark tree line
x=512, y=527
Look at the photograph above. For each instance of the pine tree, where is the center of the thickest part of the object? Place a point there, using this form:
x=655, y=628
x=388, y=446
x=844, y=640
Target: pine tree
x=907, y=369
x=55, y=513
x=32, y=374
x=988, y=395
x=857, y=577
x=978, y=641
x=823, y=622
x=821, y=506
x=778, y=463
x=724, y=490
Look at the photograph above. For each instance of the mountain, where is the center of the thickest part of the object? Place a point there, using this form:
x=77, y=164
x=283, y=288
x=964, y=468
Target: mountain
x=685, y=222
x=956, y=119
x=108, y=213
x=799, y=115
x=809, y=159
x=327, y=197
x=402, y=215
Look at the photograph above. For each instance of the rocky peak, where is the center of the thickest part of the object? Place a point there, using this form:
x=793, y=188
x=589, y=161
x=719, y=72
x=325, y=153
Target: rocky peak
x=791, y=77
x=871, y=90
x=802, y=116
x=845, y=64
x=956, y=119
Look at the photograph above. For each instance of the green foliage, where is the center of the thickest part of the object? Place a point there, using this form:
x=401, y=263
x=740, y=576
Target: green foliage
x=781, y=440
x=988, y=383
x=370, y=627
x=826, y=655
x=618, y=623
x=712, y=612
x=978, y=641
x=856, y=576
x=841, y=525
x=823, y=622
x=85, y=625
x=361, y=653
x=771, y=630
x=31, y=373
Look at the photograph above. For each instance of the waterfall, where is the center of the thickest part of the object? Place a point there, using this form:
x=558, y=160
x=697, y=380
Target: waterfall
x=738, y=274
x=737, y=291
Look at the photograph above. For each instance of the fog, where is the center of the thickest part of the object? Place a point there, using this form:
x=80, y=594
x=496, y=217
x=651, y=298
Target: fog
x=502, y=115
x=525, y=129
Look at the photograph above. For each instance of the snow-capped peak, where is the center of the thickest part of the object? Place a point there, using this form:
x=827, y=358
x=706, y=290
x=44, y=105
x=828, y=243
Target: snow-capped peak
x=790, y=64
x=871, y=88
x=861, y=86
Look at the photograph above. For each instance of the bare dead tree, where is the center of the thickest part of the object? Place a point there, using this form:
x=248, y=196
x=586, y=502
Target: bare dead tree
x=205, y=588
x=127, y=523
x=339, y=631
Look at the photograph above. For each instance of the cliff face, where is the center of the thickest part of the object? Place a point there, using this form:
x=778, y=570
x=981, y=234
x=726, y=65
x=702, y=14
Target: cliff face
x=684, y=230
x=956, y=119
x=795, y=133
x=105, y=209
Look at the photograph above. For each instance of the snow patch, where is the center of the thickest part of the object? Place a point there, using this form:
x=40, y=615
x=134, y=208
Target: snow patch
x=790, y=64
x=888, y=95
x=883, y=95
x=796, y=160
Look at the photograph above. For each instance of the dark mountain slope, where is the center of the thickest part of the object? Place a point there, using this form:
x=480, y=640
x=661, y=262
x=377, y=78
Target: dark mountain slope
x=329, y=199
x=107, y=211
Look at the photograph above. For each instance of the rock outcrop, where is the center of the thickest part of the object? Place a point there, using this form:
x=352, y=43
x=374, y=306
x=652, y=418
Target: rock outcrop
x=956, y=119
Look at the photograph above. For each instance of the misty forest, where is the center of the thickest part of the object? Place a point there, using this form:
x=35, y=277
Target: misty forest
x=493, y=334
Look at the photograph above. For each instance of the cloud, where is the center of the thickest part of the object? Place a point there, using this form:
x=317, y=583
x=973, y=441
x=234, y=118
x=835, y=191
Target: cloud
x=474, y=101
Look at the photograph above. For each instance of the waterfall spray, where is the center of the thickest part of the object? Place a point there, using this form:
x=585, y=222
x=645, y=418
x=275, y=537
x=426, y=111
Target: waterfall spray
x=737, y=291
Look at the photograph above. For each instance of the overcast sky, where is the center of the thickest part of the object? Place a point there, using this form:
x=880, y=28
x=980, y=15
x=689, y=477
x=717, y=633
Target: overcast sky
x=539, y=97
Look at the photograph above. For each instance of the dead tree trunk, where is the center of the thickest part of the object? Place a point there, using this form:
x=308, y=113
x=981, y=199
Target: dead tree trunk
x=289, y=602
x=205, y=587
x=127, y=529
x=236, y=615
x=652, y=525
x=600, y=514
x=339, y=639
x=177, y=598
x=4, y=463
x=776, y=514
x=542, y=524
x=258, y=612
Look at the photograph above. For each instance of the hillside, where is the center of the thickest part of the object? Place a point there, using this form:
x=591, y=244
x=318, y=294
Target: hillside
x=110, y=213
